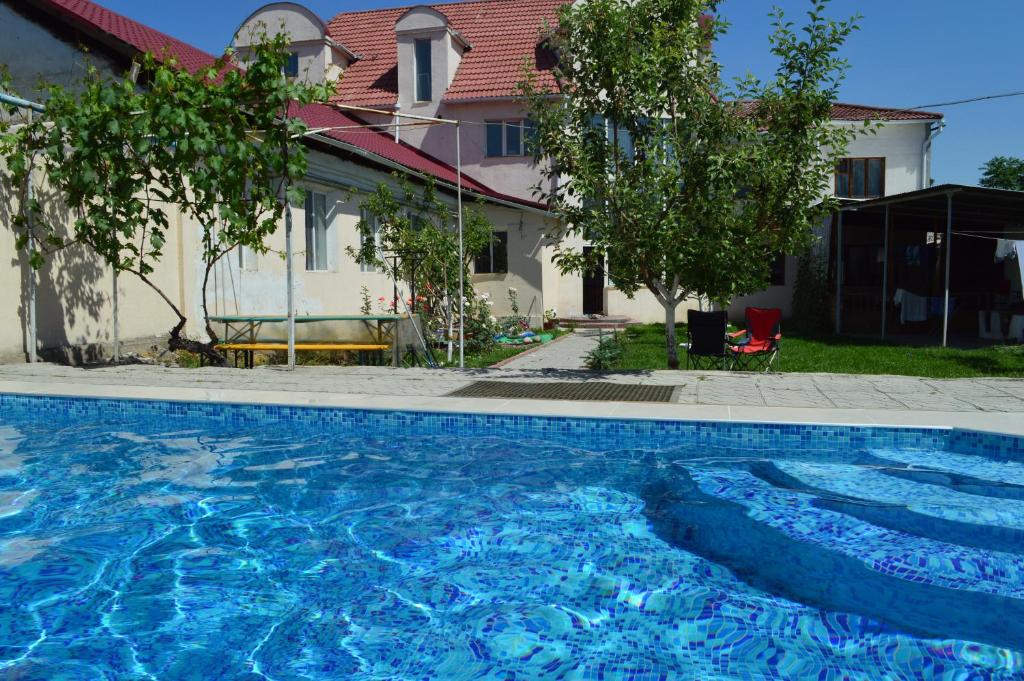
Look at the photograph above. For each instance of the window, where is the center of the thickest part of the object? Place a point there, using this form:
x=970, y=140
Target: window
x=291, y=67
x=860, y=178
x=316, y=232
x=510, y=138
x=416, y=221
x=423, y=85
x=778, y=274
x=494, y=258
x=246, y=258
x=371, y=220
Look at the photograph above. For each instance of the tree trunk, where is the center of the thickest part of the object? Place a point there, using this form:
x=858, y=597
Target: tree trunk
x=207, y=350
x=670, y=334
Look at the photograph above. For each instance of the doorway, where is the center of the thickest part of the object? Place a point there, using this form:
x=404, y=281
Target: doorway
x=593, y=287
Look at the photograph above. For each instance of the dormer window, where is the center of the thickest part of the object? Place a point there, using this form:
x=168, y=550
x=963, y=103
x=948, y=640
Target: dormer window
x=424, y=90
x=429, y=51
x=291, y=66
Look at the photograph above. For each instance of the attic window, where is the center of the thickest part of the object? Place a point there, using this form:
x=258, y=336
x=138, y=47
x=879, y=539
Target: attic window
x=423, y=68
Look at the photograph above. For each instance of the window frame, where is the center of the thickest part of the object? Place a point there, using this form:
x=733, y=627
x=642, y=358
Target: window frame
x=420, y=87
x=499, y=238
x=313, y=251
x=524, y=127
x=848, y=174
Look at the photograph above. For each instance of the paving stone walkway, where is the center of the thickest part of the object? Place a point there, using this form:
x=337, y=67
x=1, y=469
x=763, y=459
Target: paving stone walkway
x=567, y=352
x=804, y=391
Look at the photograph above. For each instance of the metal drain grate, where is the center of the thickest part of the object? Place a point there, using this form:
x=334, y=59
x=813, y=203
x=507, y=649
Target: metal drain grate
x=595, y=392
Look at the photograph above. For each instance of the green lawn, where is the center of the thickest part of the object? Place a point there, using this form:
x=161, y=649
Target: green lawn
x=645, y=349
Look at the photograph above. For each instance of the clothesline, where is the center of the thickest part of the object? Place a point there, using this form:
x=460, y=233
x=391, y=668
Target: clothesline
x=1005, y=237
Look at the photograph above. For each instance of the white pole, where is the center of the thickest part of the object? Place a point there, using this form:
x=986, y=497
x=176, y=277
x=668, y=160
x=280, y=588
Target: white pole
x=462, y=258
x=32, y=330
x=949, y=249
x=885, y=271
x=291, y=280
x=117, y=337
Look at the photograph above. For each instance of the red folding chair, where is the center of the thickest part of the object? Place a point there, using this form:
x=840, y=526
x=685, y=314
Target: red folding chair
x=757, y=346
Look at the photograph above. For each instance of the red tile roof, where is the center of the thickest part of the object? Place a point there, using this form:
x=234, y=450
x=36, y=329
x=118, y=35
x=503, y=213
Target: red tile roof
x=858, y=112
x=383, y=145
x=502, y=33
x=93, y=18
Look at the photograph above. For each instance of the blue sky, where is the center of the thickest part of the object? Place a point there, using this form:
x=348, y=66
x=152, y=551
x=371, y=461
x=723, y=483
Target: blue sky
x=907, y=53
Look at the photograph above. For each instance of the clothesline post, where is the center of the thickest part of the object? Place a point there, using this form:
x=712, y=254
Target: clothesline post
x=948, y=249
x=839, y=274
x=885, y=272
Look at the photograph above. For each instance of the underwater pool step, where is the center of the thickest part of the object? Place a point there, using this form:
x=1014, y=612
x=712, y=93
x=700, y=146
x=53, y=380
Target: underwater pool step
x=600, y=391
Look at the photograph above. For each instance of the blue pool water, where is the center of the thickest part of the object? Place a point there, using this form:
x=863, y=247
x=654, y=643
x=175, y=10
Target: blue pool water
x=160, y=541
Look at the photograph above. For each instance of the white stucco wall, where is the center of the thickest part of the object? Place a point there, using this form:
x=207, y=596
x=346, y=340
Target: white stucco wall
x=901, y=144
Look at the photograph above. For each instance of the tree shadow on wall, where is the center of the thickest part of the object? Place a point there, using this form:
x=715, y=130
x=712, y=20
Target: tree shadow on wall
x=73, y=287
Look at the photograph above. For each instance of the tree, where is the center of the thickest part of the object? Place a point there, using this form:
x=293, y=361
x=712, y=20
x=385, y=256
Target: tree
x=419, y=230
x=1003, y=172
x=684, y=186
x=217, y=144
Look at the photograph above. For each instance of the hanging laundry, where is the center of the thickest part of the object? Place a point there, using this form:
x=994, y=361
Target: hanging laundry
x=1019, y=248
x=912, y=255
x=1006, y=248
x=913, y=308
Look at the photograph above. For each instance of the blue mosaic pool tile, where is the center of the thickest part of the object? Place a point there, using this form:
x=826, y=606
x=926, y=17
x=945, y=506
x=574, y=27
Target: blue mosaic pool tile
x=586, y=432
x=147, y=539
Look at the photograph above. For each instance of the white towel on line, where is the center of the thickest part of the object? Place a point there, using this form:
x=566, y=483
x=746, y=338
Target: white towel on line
x=913, y=308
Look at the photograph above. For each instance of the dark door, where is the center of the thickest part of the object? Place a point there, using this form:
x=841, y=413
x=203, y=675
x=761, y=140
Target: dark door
x=593, y=288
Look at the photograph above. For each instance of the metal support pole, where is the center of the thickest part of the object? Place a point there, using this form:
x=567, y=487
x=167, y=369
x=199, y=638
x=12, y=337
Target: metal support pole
x=948, y=249
x=885, y=272
x=289, y=265
x=117, y=336
x=462, y=258
x=32, y=327
x=839, y=274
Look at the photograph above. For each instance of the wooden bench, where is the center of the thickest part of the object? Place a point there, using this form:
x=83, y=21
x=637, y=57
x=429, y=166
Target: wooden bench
x=250, y=348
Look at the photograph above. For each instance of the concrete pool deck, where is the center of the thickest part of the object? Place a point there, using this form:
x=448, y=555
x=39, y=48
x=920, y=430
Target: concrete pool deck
x=989, y=404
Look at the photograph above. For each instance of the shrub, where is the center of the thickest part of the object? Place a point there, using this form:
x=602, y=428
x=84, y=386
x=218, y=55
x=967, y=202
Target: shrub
x=607, y=355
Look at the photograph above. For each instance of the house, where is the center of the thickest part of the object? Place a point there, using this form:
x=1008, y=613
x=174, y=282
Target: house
x=459, y=60
x=463, y=60
x=74, y=291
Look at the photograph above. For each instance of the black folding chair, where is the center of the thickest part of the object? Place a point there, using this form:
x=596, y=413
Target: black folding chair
x=708, y=348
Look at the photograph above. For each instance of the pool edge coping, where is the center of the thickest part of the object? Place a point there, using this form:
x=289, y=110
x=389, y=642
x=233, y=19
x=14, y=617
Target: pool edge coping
x=992, y=423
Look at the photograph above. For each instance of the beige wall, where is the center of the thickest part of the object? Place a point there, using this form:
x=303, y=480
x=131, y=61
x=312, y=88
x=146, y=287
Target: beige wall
x=74, y=289
x=338, y=290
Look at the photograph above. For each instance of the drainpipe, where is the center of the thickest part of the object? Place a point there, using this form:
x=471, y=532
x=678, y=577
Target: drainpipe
x=398, y=119
x=933, y=131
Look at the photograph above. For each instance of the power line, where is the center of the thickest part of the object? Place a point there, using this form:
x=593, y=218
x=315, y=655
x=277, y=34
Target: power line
x=970, y=100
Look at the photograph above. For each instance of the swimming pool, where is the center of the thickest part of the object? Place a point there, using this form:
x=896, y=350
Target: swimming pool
x=145, y=540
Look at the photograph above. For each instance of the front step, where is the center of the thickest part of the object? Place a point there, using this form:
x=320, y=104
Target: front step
x=596, y=322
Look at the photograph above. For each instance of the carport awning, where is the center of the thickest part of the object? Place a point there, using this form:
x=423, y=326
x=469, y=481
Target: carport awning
x=975, y=209
x=949, y=209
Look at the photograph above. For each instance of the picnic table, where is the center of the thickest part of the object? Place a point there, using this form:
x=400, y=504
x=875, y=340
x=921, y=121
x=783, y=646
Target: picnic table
x=242, y=333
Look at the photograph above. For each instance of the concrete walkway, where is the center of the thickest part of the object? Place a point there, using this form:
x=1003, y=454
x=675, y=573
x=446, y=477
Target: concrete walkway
x=985, y=404
x=567, y=352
